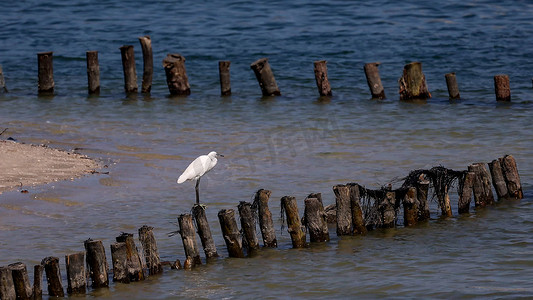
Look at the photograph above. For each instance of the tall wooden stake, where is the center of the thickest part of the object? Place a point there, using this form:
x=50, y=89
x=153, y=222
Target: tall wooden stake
x=502, y=88
x=53, y=276
x=96, y=263
x=38, y=282
x=46, y=73
x=453, y=88
x=374, y=80
x=134, y=262
x=410, y=207
x=482, y=190
x=76, y=276
x=465, y=197
x=224, y=75
x=413, y=83
x=510, y=172
x=315, y=220
x=204, y=232
x=21, y=280
x=498, y=180
x=294, y=225
x=248, y=226
x=151, y=254
x=422, y=189
x=265, y=77
x=188, y=236
x=128, y=66
x=358, y=222
x=7, y=286
x=148, y=63
x=321, y=78
x=265, y=219
x=119, y=258
x=93, y=72
x=177, y=80
x=344, y=212
x=231, y=233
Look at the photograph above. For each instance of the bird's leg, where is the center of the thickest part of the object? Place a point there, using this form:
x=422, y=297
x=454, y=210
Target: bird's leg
x=197, y=192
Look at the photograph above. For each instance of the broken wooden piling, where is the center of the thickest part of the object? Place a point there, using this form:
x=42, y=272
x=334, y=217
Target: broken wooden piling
x=453, y=88
x=265, y=218
x=133, y=260
x=224, y=75
x=510, y=172
x=96, y=263
x=412, y=84
x=230, y=232
x=387, y=209
x=465, y=195
x=21, y=280
x=204, y=232
x=151, y=254
x=37, y=281
x=3, y=88
x=128, y=67
x=294, y=225
x=93, y=72
x=53, y=276
x=7, y=286
x=321, y=78
x=482, y=190
x=315, y=220
x=119, y=259
x=374, y=80
x=265, y=77
x=502, y=87
x=177, y=80
x=422, y=189
x=188, y=236
x=410, y=207
x=246, y=215
x=148, y=63
x=358, y=221
x=46, y=73
x=498, y=180
x=344, y=213
x=76, y=275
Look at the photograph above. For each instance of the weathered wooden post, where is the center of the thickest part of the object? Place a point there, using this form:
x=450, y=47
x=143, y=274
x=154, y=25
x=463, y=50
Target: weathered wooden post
x=76, y=276
x=510, y=172
x=119, y=258
x=387, y=209
x=410, y=207
x=248, y=226
x=204, y=232
x=444, y=202
x=498, y=180
x=53, y=277
x=358, y=222
x=502, y=88
x=315, y=220
x=344, y=213
x=134, y=262
x=148, y=63
x=453, y=88
x=21, y=280
x=231, y=233
x=422, y=189
x=7, y=286
x=294, y=225
x=465, y=196
x=151, y=254
x=93, y=72
x=177, y=80
x=37, y=282
x=188, y=236
x=265, y=219
x=321, y=78
x=265, y=77
x=482, y=191
x=3, y=88
x=128, y=66
x=46, y=73
x=224, y=75
x=374, y=80
x=413, y=83
x=96, y=263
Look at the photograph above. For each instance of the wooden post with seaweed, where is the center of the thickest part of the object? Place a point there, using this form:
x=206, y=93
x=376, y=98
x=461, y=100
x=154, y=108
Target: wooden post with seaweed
x=502, y=88
x=265, y=218
x=231, y=233
x=7, y=286
x=93, y=72
x=53, y=276
x=148, y=63
x=250, y=239
x=225, y=79
x=177, y=80
x=133, y=260
x=510, y=172
x=46, y=73
x=374, y=80
x=76, y=276
x=413, y=83
x=21, y=280
x=294, y=225
x=498, y=180
x=265, y=77
x=96, y=263
x=344, y=212
x=465, y=195
x=422, y=190
x=321, y=78
x=410, y=207
x=3, y=88
x=387, y=209
x=188, y=236
x=358, y=221
x=482, y=190
x=451, y=83
x=151, y=254
x=315, y=220
x=204, y=232
x=128, y=68
x=37, y=281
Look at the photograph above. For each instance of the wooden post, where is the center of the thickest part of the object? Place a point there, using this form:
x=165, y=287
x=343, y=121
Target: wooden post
x=498, y=180
x=422, y=189
x=321, y=78
x=410, y=207
x=413, y=83
x=151, y=254
x=188, y=236
x=119, y=258
x=344, y=213
x=7, y=286
x=204, y=232
x=177, y=80
x=148, y=63
x=294, y=225
x=135, y=264
x=482, y=191
x=387, y=210
x=248, y=226
x=231, y=233
x=453, y=88
x=265, y=77
x=21, y=280
x=444, y=203
x=466, y=193
x=265, y=219
x=315, y=220
x=38, y=282
x=46, y=73
x=96, y=263
x=502, y=88
x=3, y=88
x=53, y=276
x=510, y=172
x=358, y=222
x=128, y=66
x=225, y=83
x=93, y=72
x=374, y=80
x=76, y=276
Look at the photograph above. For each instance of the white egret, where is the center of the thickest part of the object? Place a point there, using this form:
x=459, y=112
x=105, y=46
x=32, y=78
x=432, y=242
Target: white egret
x=201, y=165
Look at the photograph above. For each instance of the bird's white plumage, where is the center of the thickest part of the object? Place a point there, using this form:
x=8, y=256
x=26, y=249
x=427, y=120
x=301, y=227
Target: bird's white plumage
x=199, y=167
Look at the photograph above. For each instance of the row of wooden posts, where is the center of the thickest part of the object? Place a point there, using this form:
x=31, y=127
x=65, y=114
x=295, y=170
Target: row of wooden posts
x=412, y=84
x=352, y=215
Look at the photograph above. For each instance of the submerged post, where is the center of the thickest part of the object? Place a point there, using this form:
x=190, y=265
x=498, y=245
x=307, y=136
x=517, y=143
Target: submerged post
x=358, y=222
x=224, y=75
x=294, y=226
x=265, y=77
x=387, y=210
x=413, y=83
x=188, y=236
x=119, y=258
x=321, y=78
x=465, y=196
x=46, y=73
x=148, y=63
x=422, y=189
x=3, y=88
x=128, y=67
x=177, y=80
x=76, y=280
x=231, y=233
x=482, y=190
x=21, y=280
x=93, y=72
x=204, y=232
x=265, y=218
x=374, y=80
x=151, y=254
x=248, y=226
x=53, y=277
x=498, y=180
x=410, y=207
x=96, y=263
x=344, y=215
x=510, y=172
x=451, y=83
x=502, y=88
x=133, y=260
x=37, y=282
x=315, y=220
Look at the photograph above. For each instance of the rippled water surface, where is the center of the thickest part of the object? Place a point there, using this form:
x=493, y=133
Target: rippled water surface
x=292, y=145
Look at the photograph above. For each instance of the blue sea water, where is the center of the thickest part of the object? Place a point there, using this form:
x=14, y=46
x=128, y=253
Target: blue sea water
x=294, y=144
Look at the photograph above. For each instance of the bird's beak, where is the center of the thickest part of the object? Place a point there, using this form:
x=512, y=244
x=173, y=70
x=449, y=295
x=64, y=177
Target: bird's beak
x=220, y=155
